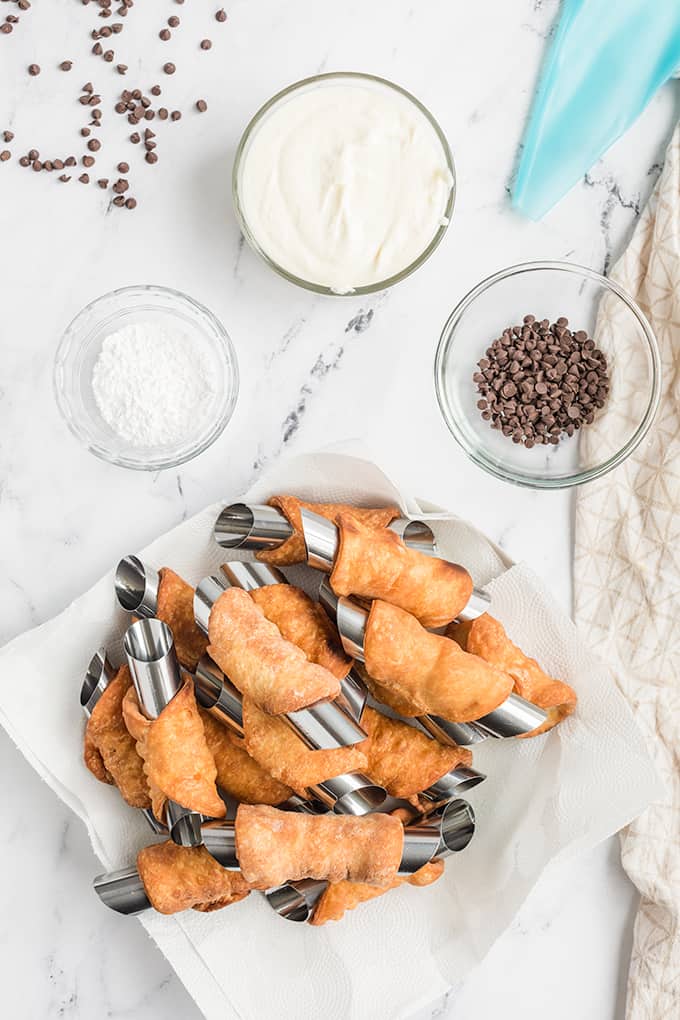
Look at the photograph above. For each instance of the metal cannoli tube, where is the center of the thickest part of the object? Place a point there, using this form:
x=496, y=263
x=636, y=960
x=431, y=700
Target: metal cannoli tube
x=137, y=586
x=295, y=901
x=350, y=794
x=353, y=695
x=157, y=677
x=421, y=843
x=98, y=676
x=206, y=595
x=478, y=604
x=219, y=839
x=415, y=534
x=453, y=783
x=240, y=526
x=217, y=694
x=251, y=575
x=122, y=891
x=513, y=718
x=457, y=827
x=462, y=734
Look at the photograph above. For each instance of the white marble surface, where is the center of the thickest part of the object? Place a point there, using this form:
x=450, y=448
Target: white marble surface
x=313, y=371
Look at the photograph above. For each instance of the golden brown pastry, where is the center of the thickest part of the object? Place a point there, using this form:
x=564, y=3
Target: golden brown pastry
x=487, y=638
x=177, y=762
x=293, y=549
x=238, y=774
x=272, y=743
x=429, y=674
x=338, y=897
x=402, y=759
x=251, y=651
x=176, y=608
x=110, y=752
x=176, y=878
x=303, y=622
x=274, y=847
x=378, y=565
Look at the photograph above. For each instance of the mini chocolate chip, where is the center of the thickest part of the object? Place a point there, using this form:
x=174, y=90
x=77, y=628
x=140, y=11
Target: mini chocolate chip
x=130, y=203
x=34, y=70
x=84, y=178
x=201, y=105
x=206, y=44
x=221, y=15
x=169, y=68
x=5, y=155
x=66, y=65
x=165, y=34
x=151, y=157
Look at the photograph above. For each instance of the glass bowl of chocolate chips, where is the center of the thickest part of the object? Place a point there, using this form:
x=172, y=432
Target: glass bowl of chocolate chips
x=548, y=374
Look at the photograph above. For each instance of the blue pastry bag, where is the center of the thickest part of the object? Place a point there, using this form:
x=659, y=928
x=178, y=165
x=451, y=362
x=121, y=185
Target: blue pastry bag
x=606, y=62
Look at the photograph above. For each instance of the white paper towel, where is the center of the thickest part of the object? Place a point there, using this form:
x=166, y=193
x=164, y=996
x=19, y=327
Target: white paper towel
x=545, y=799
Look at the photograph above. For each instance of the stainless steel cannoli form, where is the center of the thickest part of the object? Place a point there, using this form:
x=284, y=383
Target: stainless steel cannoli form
x=98, y=675
x=150, y=651
x=512, y=718
x=296, y=901
x=446, y=831
x=326, y=725
x=257, y=526
x=122, y=891
x=137, y=586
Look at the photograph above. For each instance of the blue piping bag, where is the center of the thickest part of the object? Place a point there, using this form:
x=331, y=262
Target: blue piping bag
x=606, y=62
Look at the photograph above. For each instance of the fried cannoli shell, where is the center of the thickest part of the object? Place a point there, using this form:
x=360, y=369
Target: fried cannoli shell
x=404, y=760
x=177, y=761
x=260, y=662
x=487, y=638
x=293, y=549
x=272, y=743
x=431, y=673
x=338, y=897
x=110, y=751
x=274, y=847
x=176, y=878
x=176, y=608
x=303, y=622
x=378, y=565
x=238, y=774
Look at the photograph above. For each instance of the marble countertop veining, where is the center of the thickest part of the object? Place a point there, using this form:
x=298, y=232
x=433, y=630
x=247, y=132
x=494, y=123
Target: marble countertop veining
x=314, y=371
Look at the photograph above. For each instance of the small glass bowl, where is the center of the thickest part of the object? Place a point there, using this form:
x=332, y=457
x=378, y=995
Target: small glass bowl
x=324, y=81
x=80, y=347
x=590, y=302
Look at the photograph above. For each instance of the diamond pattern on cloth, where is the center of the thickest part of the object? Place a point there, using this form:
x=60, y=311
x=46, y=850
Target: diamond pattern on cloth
x=627, y=594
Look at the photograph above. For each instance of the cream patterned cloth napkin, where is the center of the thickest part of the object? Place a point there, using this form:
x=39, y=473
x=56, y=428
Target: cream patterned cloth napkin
x=627, y=599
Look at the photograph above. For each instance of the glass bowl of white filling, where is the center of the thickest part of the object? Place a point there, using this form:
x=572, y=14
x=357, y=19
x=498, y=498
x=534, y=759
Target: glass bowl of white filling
x=146, y=377
x=344, y=183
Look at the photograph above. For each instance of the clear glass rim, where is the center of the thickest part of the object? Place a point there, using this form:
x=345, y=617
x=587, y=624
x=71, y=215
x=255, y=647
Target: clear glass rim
x=228, y=403
x=446, y=343
x=307, y=284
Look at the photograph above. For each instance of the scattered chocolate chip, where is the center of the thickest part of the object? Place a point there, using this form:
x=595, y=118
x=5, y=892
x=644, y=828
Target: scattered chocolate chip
x=37, y=165
x=163, y=113
x=175, y=115
x=64, y=178
x=85, y=131
x=165, y=34
x=201, y=105
x=134, y=137
x=66, y=65
x=206, y=44
x=6, y=28
x=103, y=182
x=120, y=186
x=169, y=68
x=94, y=145
x=24, y=161
x=70, y=161
x=155, y=90
x=151, y=157
x=119, y=200
x=108, y=56
x=88, y=161
x=122, y=68
x=58, y=164
x=97, y=49
x=221, y=15
x=173, y=21
x=123, y=168
x=88, y=87
x=84, y=178
x=34, y=70
x=33, y=154
x=7, y=136
x=5, y=155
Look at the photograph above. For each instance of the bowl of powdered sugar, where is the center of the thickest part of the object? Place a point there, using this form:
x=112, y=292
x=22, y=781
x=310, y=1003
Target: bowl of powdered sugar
x=146, y=377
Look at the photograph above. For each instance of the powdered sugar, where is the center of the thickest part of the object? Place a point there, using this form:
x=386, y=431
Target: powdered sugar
x=151, y=384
